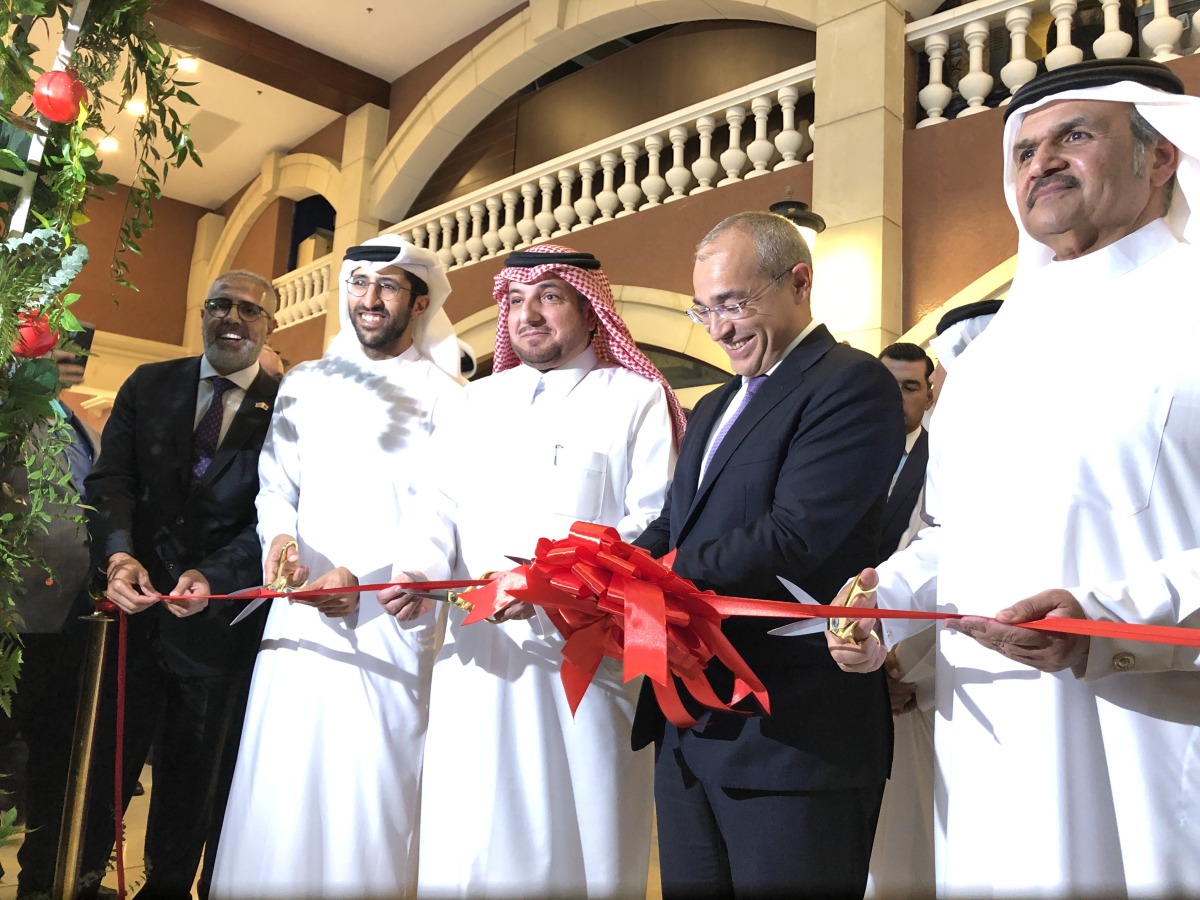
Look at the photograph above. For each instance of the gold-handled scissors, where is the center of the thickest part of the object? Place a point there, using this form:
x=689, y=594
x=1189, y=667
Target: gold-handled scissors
x=844, y=628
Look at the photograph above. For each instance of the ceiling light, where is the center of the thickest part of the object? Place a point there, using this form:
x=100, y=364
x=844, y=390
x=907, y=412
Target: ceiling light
x=187, y=63
x=136, y=107
x=108, y=144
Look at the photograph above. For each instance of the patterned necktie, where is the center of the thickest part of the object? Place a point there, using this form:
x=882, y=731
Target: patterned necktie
x=208, y=432
x=752, y=386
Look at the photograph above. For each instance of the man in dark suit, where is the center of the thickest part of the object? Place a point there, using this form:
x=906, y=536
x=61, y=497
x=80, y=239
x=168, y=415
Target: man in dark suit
x=912, y=369
x=174, y=495
x=784, y=471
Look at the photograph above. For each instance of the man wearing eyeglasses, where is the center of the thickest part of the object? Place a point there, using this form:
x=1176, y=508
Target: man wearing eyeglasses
x=783, y=472
x=174, y=520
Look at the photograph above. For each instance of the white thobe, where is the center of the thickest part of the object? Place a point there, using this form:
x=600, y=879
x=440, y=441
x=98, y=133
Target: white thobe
x=521, y=798
x=1052, y=785
x=325, y=794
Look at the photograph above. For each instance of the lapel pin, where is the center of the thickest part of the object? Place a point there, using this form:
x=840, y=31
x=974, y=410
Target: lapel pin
x=263, y=406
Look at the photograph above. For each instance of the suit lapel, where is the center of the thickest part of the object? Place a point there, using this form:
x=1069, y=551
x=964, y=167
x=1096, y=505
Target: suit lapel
x=253, y=414
x=183, y=402
x=912, y=474
x=780, y=385
x=687, y=474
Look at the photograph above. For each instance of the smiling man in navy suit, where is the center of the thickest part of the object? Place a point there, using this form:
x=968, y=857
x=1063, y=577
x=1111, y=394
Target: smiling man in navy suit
x=783, y=471
x=174, y=496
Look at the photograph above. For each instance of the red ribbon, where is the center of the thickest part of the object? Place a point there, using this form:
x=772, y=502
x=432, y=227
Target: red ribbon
x=609, y=598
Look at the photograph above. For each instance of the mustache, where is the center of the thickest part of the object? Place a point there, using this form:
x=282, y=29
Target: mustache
x=1065, y=180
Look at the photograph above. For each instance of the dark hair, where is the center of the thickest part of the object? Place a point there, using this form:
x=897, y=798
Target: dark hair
x=417, y=285
x=904, y=352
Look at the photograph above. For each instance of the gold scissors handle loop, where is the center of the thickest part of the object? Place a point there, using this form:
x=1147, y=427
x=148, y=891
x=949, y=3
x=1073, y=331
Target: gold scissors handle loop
x=281, y=582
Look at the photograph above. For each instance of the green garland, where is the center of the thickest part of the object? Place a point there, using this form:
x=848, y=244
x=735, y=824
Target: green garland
x=117, y=47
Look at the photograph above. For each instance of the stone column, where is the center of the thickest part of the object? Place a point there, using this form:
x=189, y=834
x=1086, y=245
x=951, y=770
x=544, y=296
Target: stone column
x=363, y=144
x=208, y=233
x=858, y=170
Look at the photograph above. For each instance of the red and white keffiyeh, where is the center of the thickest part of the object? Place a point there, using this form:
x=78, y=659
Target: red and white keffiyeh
x=611, y=341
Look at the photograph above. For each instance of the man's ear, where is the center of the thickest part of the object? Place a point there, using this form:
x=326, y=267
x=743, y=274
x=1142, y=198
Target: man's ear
x=420, y=304
x=802, y=278
x=1164, y=161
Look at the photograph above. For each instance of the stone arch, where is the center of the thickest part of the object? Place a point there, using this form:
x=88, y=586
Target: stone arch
x=543, y=35
x=292, y=177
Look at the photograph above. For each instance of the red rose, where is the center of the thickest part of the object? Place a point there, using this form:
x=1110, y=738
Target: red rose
x=58, y=95
x=34, y=337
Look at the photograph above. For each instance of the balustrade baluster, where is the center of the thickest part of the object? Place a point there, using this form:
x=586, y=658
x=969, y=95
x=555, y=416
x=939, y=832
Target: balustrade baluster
x=545, y=219
x=508, y=232
x=1162, y=33
x=527, y=226
x=1066, y=53
x=435, y=237
x=475, y=245
x=977, y=83
x=705, y=167
x=629, y=193
x=760, y=150
x=491, y=237
x=1019, y=68
x=564, y=213
x=679, y=175
x=607, y=199
x=653, y=184
x=446, y=251
x=1114, y=43
x=733, y=160
x=935, y=95
x=419, y=234
x=585, y=206
x=789, y=141
x=459, y=247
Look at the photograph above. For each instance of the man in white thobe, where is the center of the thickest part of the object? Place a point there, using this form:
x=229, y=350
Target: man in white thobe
x=520, y=797
x=1070, y=767
x=325, y=795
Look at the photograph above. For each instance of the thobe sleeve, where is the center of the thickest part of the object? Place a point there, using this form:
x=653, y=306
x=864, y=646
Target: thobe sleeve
x=651, y=464
x=279, y=469
x=1165, y=593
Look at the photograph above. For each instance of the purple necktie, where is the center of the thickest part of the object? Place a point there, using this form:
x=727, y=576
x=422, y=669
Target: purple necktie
x=752, y=386
x=208, y=432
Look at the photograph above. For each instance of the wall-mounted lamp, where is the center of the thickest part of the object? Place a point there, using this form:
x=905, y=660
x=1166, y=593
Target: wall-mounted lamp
x=798, y=213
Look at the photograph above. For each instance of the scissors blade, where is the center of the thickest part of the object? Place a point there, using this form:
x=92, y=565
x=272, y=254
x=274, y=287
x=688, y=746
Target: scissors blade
x=250, y=607
x=519, y=560
x=804, y=626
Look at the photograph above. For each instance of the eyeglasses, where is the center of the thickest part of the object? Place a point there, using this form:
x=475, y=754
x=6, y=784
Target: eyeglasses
x=219, y=307
x=699, y=313
x=386, y=288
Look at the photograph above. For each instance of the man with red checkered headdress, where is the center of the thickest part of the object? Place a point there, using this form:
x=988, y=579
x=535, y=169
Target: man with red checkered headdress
x=519, y=797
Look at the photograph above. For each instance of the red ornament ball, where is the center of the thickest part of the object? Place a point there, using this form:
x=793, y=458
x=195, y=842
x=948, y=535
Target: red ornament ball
x=58, y=95
x=34, y=337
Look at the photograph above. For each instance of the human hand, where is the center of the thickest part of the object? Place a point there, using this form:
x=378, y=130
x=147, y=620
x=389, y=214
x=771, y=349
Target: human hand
x=514, y=609
x=191, y=583
x=901, y=694
x=860, y=650
x=1042, y=650
x=129, y=584
x=402, y=603
x=296, y=574
x=334, y=605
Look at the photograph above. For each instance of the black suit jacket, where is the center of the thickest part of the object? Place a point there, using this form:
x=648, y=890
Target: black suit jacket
x=902, y=500
x=146, y=506
x=796, y=489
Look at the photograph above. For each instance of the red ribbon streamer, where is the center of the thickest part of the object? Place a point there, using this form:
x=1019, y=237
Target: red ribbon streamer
x=609, y=598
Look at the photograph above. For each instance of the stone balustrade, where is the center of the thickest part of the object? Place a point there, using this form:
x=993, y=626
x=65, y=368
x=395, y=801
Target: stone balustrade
x=659, y=162
x=305, y=292
x=971, y=27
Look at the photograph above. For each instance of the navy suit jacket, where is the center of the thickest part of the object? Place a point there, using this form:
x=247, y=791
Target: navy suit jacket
x=147, y=506
x=902, y=500
x=797, y=489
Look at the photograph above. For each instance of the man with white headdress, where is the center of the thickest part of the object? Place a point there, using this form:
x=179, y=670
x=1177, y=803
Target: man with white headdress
x=1070, y=766
x=520, y=797
x=324, y=798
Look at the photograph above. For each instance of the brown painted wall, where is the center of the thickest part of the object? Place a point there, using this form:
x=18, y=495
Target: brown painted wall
x=300, y=342
x=327, y=142
x=670, y=71
x=154, y=312
x=265, y=249
x=652, y=249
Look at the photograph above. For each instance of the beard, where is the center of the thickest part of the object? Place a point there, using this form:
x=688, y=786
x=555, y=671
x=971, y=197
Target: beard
x=389, y=333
